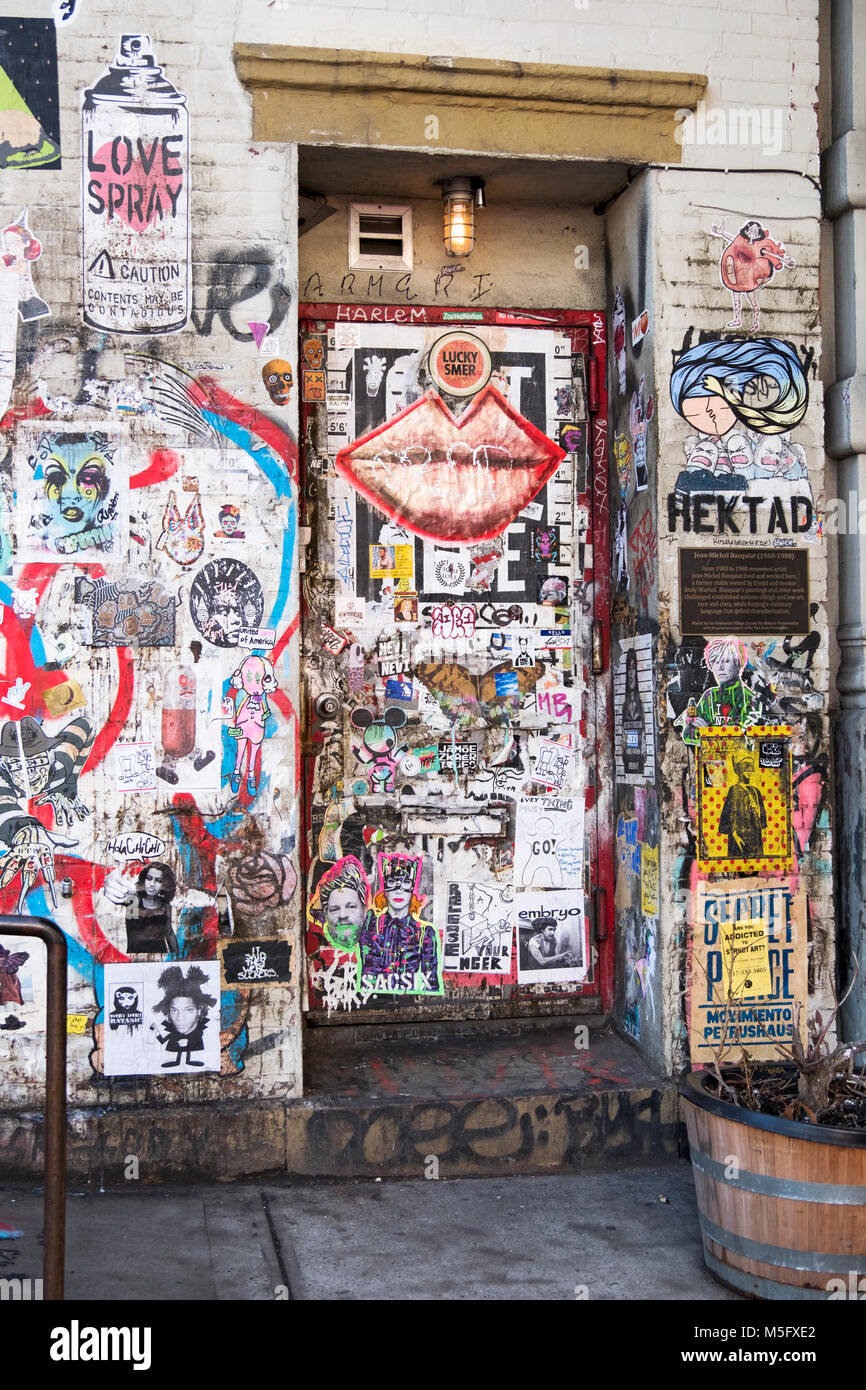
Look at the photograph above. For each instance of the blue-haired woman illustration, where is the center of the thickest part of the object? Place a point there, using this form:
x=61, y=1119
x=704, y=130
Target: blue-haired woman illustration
x=723, y=383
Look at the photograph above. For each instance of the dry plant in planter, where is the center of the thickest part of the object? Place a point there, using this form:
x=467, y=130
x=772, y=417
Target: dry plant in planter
x=819, y=1084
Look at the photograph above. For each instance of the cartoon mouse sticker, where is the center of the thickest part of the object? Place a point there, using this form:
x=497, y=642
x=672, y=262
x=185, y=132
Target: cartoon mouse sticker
x=378, y=749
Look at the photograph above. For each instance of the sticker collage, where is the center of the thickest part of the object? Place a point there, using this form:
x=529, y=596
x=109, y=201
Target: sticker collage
x=446, y=603
x=149, y=597
x=745, y=681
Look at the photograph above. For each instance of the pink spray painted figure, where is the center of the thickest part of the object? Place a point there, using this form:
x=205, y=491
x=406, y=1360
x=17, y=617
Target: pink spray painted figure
x=254, y=680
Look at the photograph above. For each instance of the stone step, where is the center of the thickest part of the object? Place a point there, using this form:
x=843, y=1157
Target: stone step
x=489, y=1101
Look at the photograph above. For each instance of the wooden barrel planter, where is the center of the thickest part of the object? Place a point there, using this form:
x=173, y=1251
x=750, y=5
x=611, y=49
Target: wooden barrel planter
x=792, y=1214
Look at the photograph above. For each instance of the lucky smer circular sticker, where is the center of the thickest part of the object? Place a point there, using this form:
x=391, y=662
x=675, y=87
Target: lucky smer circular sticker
x=459, y=363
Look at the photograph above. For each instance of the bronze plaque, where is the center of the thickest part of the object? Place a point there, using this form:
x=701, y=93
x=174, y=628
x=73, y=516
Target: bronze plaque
x=741, y=591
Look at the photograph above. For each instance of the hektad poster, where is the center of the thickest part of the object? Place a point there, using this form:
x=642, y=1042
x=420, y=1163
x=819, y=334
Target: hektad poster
x=161, y=1018
x=748, y=973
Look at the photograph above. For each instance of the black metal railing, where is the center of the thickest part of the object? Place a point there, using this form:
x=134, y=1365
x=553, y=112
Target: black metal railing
x=55, y=1096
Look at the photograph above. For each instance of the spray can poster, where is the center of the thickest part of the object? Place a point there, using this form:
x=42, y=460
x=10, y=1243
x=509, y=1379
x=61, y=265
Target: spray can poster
x=135, y=197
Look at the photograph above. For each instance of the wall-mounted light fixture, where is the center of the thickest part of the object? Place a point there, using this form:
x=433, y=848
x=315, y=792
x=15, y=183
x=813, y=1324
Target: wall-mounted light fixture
x=461, y=197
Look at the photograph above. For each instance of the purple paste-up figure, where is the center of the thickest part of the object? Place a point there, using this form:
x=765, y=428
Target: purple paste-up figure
x=254, y=679
x=399, y=949
x=10, y=985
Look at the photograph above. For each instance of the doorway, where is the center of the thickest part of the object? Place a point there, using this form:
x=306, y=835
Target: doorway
x=455, y=616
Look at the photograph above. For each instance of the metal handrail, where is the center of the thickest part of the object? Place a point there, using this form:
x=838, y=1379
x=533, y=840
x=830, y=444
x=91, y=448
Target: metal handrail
x=55, y=1097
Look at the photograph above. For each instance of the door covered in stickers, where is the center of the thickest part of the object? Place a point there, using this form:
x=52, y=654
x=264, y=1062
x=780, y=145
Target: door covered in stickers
x=455, y=493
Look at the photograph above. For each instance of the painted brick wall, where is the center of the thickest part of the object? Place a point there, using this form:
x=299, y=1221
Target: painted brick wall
x=223, y=843
x=756, y=55
x=759, y=56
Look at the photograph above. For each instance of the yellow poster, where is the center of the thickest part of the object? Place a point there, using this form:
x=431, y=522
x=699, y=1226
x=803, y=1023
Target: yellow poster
x=649, y=881
x=746, y=958
x=744, y=799
x=390, y=561
x=748, y=969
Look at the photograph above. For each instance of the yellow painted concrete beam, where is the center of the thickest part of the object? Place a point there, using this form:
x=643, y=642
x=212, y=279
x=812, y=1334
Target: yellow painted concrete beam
x=539, y=110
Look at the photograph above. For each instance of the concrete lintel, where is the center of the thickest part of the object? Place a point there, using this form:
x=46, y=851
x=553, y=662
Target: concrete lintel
x=541, y=110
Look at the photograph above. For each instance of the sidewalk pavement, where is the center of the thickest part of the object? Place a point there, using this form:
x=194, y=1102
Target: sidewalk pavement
x=612, y=1234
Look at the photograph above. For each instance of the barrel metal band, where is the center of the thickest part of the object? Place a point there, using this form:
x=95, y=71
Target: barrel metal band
x=753, y=1284
x=831, y=1193
x=817, y=1261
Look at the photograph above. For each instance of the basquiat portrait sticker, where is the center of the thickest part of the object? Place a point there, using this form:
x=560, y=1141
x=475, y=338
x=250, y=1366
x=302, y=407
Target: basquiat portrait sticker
x=71, y=493
x=744, y=799
x=161, y=1018
x=551, y=937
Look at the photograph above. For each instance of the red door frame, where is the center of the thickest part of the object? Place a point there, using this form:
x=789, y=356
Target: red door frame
x=597, y=575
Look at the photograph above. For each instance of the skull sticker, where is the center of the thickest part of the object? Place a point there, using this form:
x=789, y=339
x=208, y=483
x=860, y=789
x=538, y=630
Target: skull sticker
x=278, y=379
x=314, y=352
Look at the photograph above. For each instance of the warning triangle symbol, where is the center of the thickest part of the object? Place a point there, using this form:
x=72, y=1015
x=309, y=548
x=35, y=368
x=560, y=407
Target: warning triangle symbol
x=102, y=266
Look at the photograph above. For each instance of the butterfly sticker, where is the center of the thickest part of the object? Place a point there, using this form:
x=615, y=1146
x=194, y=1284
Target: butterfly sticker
x=490, y=697
x=182, y=536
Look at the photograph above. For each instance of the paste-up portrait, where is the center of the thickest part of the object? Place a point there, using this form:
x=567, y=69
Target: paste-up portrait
x=186, y=1017
x=225, y=597
x=70, y=495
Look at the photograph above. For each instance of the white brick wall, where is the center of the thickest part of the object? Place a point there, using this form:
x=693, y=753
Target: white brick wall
x=756, y=53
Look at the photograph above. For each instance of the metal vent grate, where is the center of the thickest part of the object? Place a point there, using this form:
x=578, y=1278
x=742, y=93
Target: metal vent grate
x=380, y=237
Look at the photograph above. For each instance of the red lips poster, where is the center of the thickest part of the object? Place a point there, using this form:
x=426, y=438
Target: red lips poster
x=448, y=479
